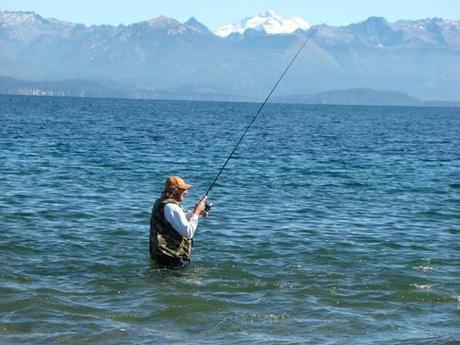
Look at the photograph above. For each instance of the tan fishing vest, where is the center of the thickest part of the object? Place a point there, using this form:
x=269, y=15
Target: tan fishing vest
x=164, y=239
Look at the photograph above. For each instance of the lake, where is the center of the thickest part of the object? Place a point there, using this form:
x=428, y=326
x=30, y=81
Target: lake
x=331, y=224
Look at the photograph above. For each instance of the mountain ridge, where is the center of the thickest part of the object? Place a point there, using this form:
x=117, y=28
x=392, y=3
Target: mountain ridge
x=415, y=57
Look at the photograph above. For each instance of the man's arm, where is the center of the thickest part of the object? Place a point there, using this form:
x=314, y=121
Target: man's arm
x=184, y=225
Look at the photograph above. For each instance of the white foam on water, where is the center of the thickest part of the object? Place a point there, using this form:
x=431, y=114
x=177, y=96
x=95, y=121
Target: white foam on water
x=423, y=268
x=424, y=286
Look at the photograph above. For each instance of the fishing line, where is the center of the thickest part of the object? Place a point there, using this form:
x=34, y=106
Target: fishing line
x=260, y=109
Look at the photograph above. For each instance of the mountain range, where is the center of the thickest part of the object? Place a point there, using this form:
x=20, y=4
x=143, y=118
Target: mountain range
x=163, y=56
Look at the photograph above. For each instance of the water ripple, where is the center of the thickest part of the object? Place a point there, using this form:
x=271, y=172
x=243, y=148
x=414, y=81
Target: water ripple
x=331, y=225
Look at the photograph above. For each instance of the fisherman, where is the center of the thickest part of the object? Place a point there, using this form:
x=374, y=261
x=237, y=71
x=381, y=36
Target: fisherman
x=171, y=229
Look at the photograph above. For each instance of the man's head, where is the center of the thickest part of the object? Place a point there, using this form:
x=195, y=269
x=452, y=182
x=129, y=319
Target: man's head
x=176, y=188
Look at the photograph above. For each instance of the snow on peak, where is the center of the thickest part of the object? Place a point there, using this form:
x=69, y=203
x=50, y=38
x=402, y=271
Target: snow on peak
x=12, y=18
x=15, y=18
x=268, y=21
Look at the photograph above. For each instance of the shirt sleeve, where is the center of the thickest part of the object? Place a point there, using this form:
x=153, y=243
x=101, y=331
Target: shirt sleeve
x=182, y=223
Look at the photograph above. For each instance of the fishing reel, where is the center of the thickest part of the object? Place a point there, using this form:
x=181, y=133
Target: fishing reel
x=207, y=206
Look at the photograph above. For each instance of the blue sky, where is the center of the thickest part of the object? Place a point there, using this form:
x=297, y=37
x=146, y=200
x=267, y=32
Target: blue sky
x=216, y=13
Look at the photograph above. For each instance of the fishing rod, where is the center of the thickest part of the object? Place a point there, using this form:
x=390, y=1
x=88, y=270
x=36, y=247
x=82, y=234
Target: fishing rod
x=208, y=206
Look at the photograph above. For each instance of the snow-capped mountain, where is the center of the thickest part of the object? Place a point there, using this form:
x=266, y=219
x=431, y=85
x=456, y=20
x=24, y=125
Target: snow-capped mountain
x=416, y=57
x=13, y=18
x=17, y=18
x=268, y=21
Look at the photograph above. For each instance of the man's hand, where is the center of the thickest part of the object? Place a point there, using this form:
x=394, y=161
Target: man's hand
x=199, y=207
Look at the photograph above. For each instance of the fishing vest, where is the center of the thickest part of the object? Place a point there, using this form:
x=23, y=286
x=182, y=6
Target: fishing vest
x=164, y=239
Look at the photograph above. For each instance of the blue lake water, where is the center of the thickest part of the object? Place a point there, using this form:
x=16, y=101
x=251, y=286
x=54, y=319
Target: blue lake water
x=332, y=224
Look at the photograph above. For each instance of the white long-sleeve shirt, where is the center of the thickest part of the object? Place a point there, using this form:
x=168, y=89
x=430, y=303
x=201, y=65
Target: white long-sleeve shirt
x=184, y=224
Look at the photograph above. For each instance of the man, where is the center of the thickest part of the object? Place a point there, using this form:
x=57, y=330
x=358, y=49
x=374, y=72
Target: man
x=171, y=229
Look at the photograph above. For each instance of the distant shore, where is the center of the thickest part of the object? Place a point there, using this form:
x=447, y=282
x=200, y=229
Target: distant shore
x=94, y=89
